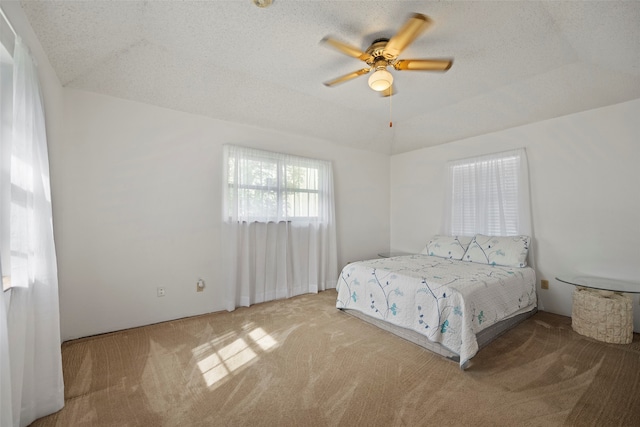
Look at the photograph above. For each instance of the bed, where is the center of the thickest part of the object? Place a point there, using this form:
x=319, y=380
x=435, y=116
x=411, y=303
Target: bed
x=456, y=296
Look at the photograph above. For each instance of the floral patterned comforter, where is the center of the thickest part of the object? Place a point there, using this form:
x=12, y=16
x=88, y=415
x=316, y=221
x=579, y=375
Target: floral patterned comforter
x=447, y=301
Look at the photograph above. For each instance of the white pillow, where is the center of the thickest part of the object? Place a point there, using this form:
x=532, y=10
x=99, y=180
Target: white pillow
x=509, y=251
x=451, y=247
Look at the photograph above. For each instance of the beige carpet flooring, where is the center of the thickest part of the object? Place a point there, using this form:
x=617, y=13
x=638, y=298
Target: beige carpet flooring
x=301, y=362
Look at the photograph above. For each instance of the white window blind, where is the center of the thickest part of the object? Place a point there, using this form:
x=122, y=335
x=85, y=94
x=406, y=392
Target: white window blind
x=485, y=195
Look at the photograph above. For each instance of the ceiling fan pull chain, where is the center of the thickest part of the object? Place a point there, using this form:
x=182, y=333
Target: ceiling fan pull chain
x=390, y=109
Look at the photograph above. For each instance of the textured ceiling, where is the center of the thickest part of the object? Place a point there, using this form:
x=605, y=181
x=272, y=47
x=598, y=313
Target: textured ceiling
x=515, y=62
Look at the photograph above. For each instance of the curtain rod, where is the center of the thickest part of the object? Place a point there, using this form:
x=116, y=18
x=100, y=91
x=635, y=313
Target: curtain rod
x=8, y=23
x=489, y=154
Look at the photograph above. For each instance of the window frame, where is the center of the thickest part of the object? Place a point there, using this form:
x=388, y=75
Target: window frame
x=281, y=186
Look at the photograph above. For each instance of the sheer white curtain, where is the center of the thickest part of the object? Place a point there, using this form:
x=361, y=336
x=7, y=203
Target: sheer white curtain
x=33, y=324
x=6, y=413
x=489, y=195
x=279, y=226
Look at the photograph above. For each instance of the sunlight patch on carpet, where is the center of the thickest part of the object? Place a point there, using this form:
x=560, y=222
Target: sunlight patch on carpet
x=263, y=339
x=217, y=364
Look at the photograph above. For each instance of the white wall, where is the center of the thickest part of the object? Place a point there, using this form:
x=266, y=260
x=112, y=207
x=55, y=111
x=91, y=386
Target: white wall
x=584, y=188
x=138, y=206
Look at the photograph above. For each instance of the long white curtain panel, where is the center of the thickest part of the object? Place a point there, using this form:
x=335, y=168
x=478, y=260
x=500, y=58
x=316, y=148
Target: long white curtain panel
x=31, y=363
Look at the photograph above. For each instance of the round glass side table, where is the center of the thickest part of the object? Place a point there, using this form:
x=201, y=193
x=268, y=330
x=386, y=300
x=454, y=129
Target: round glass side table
x=601, y=310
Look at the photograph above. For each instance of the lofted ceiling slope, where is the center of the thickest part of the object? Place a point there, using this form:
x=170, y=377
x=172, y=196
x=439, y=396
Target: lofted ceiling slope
x=515, y=62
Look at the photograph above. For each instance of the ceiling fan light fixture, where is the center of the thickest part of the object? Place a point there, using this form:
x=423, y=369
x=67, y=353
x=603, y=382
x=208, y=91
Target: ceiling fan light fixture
x=380, y=80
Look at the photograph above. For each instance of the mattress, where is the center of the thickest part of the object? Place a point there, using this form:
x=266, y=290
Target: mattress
x=447, y=301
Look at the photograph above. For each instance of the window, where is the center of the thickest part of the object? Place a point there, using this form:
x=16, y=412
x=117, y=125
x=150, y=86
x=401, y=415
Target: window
x=264, y=186
x=6, y=118
x=486, y=195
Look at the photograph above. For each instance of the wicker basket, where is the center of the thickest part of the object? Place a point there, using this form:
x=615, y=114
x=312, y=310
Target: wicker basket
x=603, y=316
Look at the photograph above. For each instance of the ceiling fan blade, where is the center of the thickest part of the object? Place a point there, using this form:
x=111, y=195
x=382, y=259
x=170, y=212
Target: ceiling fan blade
x=392, y=90
x=423, y=64
x=416, y=24
x=346, y=49
x=347, y=77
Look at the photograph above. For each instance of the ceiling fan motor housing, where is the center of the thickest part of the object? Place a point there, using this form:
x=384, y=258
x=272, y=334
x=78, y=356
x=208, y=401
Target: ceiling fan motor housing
x=378, y=54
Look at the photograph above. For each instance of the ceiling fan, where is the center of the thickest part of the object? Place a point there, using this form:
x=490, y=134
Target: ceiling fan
x=384, y=53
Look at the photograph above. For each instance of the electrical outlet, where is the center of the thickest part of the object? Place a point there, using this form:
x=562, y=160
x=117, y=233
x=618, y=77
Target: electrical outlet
x=161, y=292
x=544, y=284
x=200, y=285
